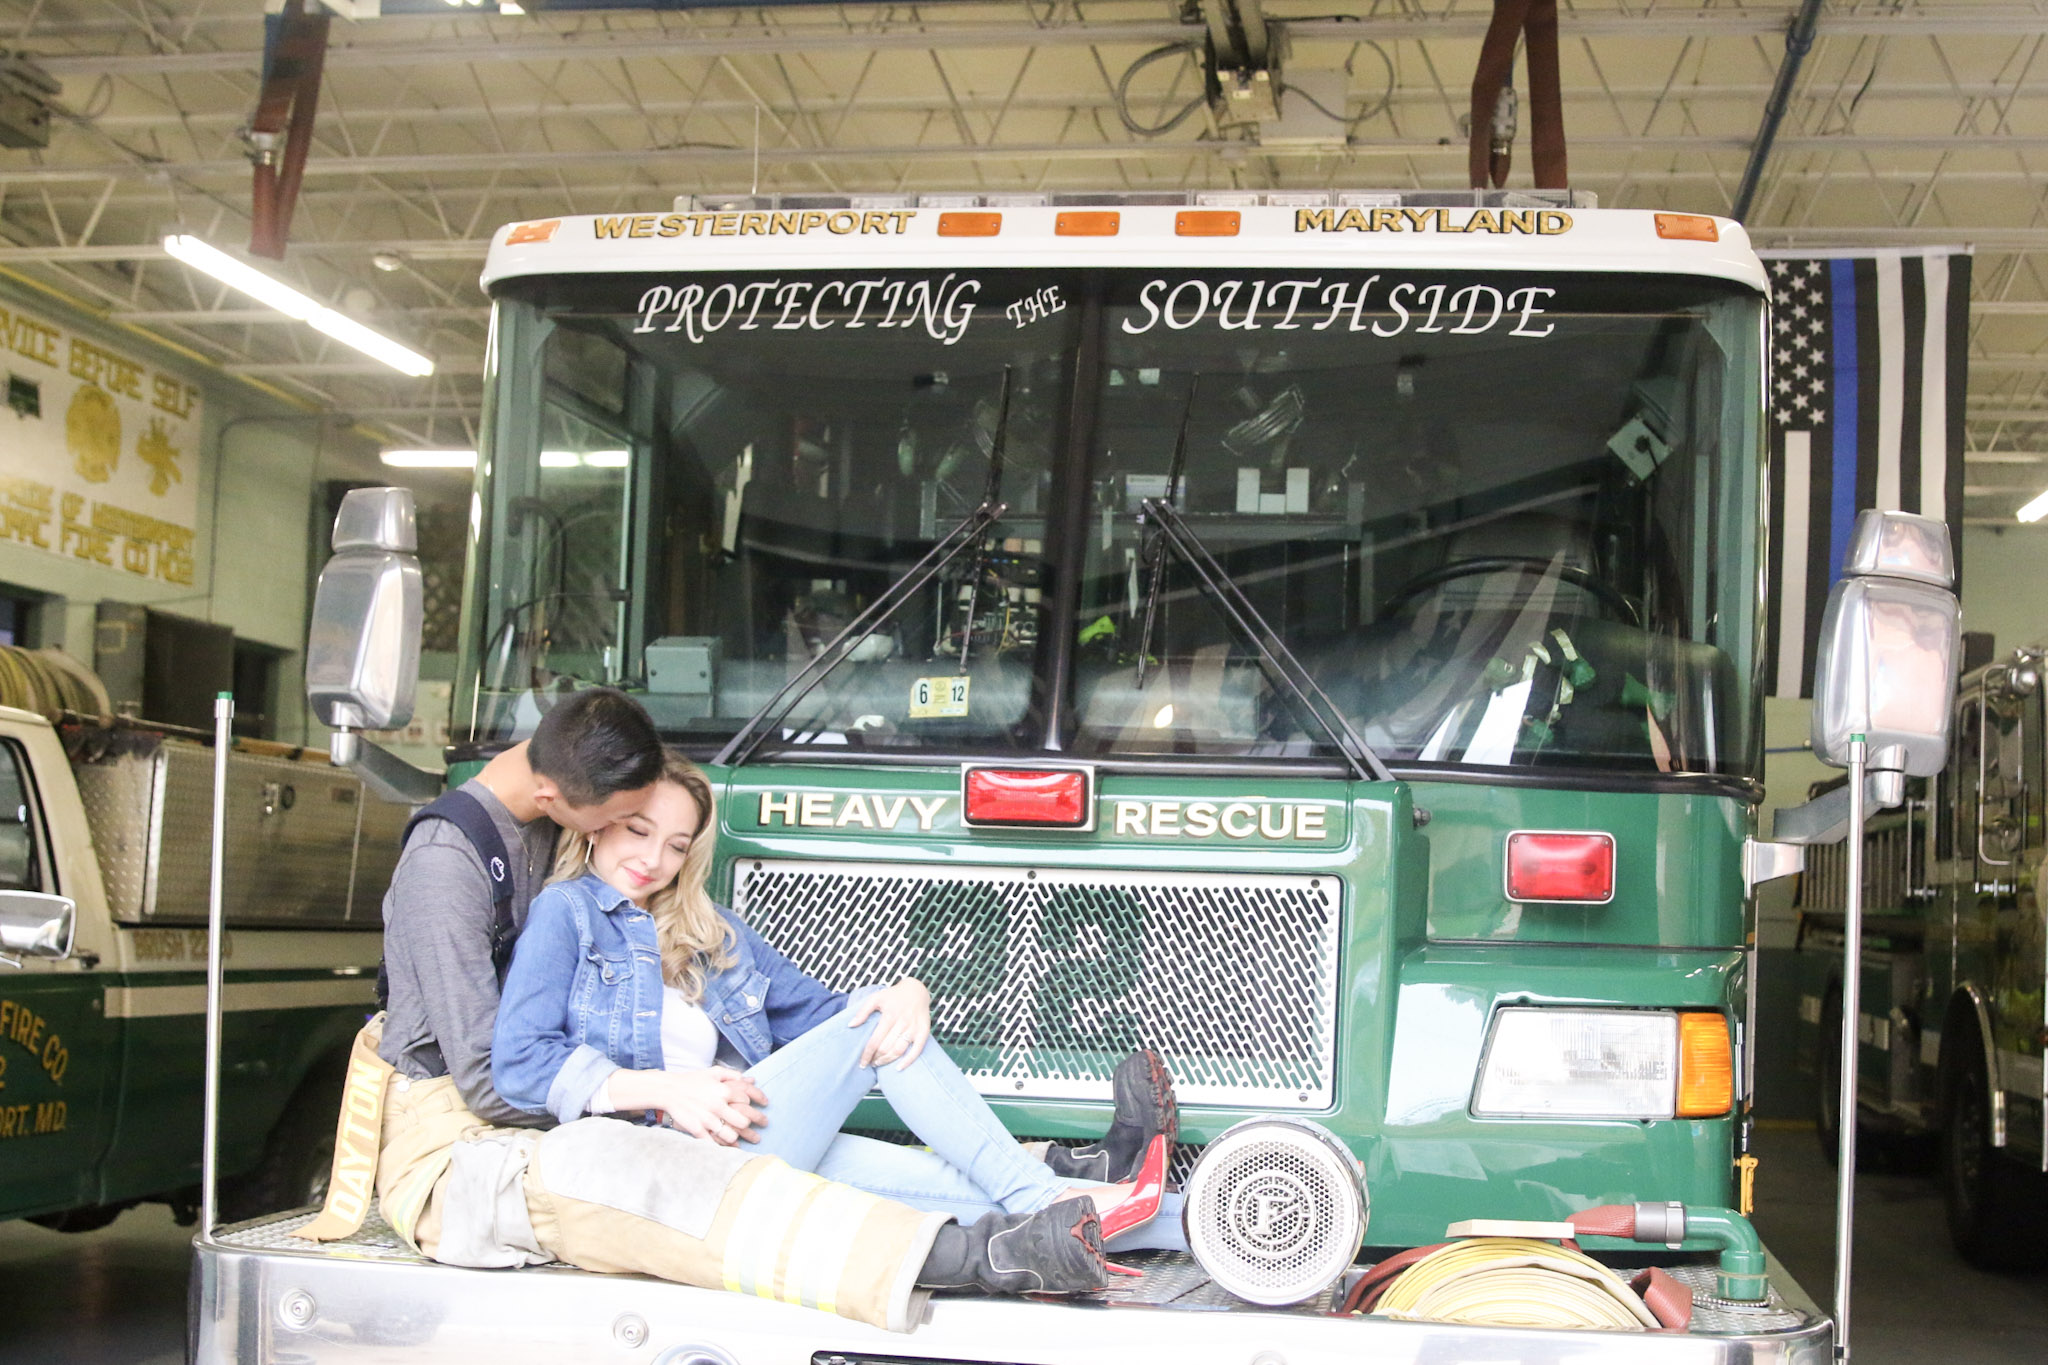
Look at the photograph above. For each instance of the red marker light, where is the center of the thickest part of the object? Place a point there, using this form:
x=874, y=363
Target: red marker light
x=1015, y=796
x=1560, y=866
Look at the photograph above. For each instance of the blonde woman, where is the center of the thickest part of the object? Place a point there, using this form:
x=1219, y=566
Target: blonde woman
x=630, y=991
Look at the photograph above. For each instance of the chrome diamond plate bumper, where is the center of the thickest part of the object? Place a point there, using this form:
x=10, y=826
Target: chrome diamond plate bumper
x=261, y=1295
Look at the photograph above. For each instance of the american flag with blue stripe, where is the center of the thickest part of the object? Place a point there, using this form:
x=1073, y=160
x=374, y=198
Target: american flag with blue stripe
x=1868, y=374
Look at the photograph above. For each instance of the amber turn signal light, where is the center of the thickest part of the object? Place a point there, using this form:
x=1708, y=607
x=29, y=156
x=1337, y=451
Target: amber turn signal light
x=1687, y=227
x=1206, y=223
x=1706, y=1066
x=524, y=233
x=1100, y=223
x=970, y=224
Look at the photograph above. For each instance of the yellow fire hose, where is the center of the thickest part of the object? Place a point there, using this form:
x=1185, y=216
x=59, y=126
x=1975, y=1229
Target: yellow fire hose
x=1515, y=1282
x=1502, y=1273
x=49, y=681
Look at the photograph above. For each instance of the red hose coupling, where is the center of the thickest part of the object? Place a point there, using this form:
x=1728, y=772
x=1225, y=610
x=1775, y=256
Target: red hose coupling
x=1607, y=1220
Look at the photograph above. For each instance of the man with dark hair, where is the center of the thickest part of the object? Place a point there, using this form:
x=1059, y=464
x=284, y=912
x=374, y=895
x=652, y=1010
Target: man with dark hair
x=593, y=746
x=464, y=1177
x=458, y=896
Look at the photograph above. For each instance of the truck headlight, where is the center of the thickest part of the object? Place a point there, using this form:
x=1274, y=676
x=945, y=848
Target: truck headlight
x=1604, y=1063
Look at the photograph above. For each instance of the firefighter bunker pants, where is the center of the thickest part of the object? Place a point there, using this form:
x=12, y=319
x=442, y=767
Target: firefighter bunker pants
x=616, y=1197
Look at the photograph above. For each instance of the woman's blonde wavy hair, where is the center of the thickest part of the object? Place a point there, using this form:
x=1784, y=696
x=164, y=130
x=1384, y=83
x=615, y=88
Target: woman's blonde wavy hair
x=694, y=939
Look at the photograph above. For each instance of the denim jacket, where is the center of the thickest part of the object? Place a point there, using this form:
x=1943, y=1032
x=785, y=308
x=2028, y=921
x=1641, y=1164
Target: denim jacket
x=583, y=999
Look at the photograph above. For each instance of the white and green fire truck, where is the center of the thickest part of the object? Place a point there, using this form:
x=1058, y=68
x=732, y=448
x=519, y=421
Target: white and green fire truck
x=1316, y=635
x=103, y=933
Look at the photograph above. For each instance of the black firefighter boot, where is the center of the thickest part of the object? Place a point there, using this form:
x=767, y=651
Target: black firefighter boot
x=1145, y=1109
x=1057, y=1250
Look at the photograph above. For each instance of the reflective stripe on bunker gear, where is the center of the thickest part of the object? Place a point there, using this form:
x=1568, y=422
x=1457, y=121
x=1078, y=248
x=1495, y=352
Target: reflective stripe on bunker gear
x=794, y=1235
x=825, y=1241
x=767, y=1214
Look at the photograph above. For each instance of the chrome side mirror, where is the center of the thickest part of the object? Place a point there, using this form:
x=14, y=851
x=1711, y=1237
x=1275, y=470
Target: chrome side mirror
x=35, y=924
x=363, y=649
x=1889, y=643
x=1886, y=668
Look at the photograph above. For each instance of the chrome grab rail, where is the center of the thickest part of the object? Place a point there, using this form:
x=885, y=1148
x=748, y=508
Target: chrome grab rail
x=209, y=1155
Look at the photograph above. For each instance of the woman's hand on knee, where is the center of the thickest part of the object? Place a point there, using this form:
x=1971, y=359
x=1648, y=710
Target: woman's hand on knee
x=905, y=1022
x=717, y=1104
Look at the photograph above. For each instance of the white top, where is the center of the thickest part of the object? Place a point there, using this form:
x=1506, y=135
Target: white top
x=689, y=1042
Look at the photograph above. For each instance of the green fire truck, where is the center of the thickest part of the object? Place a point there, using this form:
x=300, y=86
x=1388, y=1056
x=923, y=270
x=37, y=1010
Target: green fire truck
x=1315, y=635
x=1951, y=1027
x=103, y=934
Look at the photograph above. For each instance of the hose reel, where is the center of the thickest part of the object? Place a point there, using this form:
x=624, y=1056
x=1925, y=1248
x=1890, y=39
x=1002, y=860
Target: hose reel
x=1507, y=1273
x=1520, y=1282
x=1276, y=1210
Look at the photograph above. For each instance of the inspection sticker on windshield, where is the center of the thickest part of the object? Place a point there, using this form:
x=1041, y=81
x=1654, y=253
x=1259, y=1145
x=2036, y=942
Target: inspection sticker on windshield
x=935, y=698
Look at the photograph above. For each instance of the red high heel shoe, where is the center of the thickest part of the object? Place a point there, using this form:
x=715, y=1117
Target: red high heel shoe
x=1147, y=1189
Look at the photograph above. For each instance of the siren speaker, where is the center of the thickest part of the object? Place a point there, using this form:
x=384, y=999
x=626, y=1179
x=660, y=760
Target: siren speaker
x=1276, y=1210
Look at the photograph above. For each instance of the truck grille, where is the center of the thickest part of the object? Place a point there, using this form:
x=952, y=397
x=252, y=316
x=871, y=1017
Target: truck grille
x=1042, y=979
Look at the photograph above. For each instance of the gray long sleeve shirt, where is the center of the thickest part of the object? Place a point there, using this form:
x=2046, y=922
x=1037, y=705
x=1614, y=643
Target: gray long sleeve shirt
x=437, y=953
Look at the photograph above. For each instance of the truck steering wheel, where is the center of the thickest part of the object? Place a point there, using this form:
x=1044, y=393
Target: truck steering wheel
x=1607, y=594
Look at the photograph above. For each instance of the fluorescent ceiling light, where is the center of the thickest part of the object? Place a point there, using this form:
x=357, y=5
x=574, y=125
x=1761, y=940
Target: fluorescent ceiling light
x=430, y=459
x=240, y=275
x=293, y=304
x=596, y=459
x=375, y=345
x=2035, y=510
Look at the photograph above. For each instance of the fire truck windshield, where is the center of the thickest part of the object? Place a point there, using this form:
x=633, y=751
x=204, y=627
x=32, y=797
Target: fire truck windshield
x=1506, y=519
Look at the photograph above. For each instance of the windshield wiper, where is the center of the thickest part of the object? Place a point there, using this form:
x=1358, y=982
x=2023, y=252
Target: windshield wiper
x=1153, y=548
x=1280, y=664
x=971, y=531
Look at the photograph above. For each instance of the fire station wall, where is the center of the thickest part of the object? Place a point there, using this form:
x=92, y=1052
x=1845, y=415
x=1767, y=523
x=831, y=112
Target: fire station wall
x=253, y=463
x=2003, y=567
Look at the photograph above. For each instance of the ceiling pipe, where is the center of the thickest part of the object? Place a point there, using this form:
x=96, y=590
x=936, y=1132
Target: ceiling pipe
x=281, y=131
x=1798, y=42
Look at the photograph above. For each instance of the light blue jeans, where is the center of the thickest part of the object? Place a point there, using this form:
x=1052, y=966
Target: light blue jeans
x=973, y=1165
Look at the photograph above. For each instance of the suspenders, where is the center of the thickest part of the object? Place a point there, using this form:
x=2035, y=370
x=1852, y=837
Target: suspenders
x=467, y=814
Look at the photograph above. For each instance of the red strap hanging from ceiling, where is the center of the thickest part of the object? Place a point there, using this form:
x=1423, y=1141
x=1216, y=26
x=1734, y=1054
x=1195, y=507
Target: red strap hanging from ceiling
x=281, y=131
x=1490, y=158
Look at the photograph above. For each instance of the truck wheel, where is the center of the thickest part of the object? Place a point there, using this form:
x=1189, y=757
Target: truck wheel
x=1997, y=1212
x=296, y=1160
